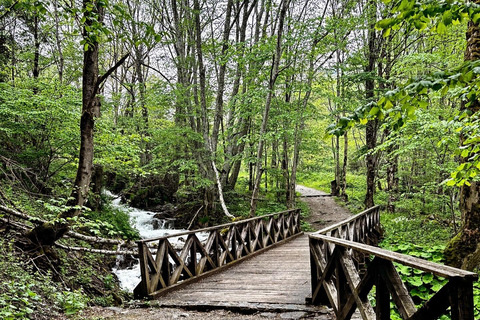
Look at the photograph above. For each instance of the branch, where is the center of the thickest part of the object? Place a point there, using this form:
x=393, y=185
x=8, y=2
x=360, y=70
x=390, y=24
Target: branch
x=16, y=225
x=158, y=71
x=71, y=234
x=7, y=11
x=220, y=193
x=104, y=77
x=109, y=252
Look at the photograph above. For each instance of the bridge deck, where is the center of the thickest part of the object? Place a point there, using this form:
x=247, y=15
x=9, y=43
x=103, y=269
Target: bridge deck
x=281, y=275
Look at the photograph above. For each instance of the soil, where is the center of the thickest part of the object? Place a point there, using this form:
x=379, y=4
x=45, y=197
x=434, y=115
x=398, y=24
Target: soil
x=323, y=212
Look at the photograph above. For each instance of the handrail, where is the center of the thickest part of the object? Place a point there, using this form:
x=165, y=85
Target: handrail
x=225, y=245
x=406, y=260
x=345, y=268
x=208, y=229
x=376, y=213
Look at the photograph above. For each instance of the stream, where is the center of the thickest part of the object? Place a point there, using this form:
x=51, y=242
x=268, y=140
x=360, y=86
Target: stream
x=148, y=227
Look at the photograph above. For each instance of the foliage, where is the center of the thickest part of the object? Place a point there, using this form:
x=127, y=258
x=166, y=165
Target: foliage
x=22, y=290
x=72, y=301
x=38, y=129
x=109, y=222
x=422, y=285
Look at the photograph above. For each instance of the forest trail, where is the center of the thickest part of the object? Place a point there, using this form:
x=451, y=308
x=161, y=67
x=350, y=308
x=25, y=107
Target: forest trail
x=248, y=301
x=324, y=211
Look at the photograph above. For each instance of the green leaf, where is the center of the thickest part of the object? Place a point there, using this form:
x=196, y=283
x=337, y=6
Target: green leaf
x=441, y=29
x=385, y=23
x=447, y=17
x=386, y=32
x=427, y=278
x=388, y=104
x=415, y=281
x=423, y=104
x=374, y=111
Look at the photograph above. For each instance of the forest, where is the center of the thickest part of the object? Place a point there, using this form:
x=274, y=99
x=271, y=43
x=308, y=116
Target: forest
x=209, y=111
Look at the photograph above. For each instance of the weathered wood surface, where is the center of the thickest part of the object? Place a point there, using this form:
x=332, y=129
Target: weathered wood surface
x=278, y=276
x=345, y=269
x=163, y=267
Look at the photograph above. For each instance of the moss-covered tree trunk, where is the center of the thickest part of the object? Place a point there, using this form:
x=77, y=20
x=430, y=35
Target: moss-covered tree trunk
x=463, y=250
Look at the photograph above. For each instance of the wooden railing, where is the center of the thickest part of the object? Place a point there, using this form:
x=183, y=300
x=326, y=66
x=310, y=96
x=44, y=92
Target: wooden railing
x=345, y=270
x=224, y=245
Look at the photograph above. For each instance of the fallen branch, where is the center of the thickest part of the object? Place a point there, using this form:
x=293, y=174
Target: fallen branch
x=101, y=251
x=16, y=225
x=71, y=234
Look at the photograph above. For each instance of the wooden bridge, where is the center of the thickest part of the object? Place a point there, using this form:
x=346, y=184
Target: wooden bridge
x=284, y=270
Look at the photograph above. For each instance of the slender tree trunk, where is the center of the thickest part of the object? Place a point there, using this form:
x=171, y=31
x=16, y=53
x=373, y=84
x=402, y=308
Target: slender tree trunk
x=58, y=42
x=221, y=79
x=372, y=125
x=236, y=145
x=146, y=156
x=36, y=55
x=344, y=169
x=392, y=178
x=271, y=86
x=209, y=163
x=47, y=234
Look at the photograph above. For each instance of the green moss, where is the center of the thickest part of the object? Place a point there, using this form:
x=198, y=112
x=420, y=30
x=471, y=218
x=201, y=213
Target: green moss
x=454, y=252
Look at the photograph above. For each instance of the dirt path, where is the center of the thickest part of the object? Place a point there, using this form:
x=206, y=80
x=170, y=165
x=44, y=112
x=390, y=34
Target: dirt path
x=323, y=212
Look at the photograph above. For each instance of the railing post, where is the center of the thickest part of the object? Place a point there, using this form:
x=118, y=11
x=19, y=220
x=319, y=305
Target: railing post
x=461, y=299
x=141, y=290
x=382, y=309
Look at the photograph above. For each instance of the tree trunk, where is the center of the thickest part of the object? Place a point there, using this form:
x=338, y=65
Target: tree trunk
x=58, y=42
x=464, y=249
x=392, y=178
x=36, y=55
x=343, y=180
x=271, y=86
x=48, y=233
x=372, y=125
x=221, y=79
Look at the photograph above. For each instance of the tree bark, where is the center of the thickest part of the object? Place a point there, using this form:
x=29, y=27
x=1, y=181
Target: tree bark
x=58, y=42
x=271, y=87
x=48, y=233
x=372, y=125
x=343, y=180
x=221, y=79
x=464, y=249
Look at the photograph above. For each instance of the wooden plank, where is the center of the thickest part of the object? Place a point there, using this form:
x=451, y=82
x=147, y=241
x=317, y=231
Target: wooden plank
x=401, y=297
x=417, y=263
x=353, y=281
x=231, y=266
x=265, y=278
x=461, y=299
x=362, y=289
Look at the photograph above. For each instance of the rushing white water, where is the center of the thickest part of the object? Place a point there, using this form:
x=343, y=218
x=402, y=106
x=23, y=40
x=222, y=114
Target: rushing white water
x=144, y=222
